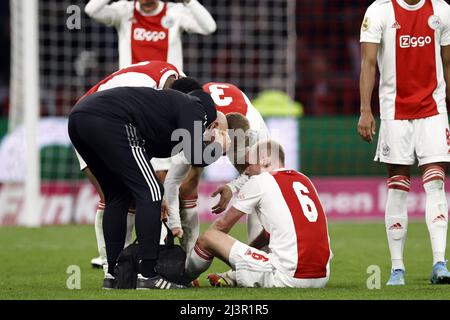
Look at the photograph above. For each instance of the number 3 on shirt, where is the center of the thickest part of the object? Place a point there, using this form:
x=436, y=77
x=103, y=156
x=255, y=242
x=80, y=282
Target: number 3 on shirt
x=308, y=207
x=218, y=95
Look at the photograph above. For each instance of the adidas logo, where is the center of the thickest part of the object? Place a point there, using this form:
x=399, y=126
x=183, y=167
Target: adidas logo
x=396, y=226
x=396, y=25
x=440, y=217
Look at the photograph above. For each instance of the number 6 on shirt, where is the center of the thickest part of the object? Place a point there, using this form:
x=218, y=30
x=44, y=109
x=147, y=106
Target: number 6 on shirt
x=308, y=207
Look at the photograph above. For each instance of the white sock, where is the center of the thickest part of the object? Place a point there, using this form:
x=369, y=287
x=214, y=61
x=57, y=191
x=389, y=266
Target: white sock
x=197, y=262
x=436, y=211
x=190, y=223
x=130, y=227
x=98, y=225
x=396, y=218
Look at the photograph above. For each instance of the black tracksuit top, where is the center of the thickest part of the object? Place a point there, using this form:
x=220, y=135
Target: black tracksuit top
x=155, y=114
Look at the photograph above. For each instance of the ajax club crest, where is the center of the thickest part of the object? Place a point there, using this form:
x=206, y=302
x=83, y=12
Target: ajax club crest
x=167, y=22
x=434, y=22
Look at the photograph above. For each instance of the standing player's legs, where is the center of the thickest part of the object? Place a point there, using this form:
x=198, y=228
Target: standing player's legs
x=432, y=137
x=87, y=136
x=396, y=149
x=396, y=215
x=101, y=260
x=436, y=209
x=131, y=166
x=188, y=209
x=139, y=176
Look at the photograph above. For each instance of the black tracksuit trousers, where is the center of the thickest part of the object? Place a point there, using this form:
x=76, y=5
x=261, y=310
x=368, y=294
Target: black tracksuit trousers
x=114, y=152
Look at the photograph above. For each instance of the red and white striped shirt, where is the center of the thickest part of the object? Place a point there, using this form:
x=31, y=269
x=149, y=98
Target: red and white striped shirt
x=412, y=84
x=289, y=209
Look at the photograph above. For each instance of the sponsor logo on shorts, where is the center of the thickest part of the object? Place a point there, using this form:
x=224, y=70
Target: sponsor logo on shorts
x=385, y=149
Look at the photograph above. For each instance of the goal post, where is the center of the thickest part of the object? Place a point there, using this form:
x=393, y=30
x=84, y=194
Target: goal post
x=25, y=99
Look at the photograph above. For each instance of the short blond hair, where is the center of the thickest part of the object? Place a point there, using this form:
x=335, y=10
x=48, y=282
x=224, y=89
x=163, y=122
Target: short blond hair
x=267, y=149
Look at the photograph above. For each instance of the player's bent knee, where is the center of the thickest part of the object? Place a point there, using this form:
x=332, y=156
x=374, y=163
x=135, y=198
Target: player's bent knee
x=207, y=238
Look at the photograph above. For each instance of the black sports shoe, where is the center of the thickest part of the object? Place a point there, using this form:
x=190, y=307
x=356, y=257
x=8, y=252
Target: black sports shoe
x=156, y=282
x=109, y=282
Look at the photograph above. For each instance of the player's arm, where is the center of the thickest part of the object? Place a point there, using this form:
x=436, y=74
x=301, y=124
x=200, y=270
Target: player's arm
x=102, y=12
x=226, y=192
x=175, y=176
x=366, y=123
x=197, y=19
x=226, y=221
x=247, y=201
x=446, y=63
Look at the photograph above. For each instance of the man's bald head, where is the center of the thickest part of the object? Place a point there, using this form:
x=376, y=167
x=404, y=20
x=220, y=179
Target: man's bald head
x=220, y=123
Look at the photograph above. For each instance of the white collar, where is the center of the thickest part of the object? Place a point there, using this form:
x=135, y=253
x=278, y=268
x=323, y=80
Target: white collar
x=409, y=7
x=155, y=12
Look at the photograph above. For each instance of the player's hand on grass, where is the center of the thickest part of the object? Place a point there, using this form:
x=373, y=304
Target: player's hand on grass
x=366, y=126
x=225, y=197
x=164, y=210
x=177, y=232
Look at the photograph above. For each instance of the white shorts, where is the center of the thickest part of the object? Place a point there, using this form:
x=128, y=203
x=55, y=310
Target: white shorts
x=161, y=164
x=402, y=141
x=255, y=270
x=158, y=164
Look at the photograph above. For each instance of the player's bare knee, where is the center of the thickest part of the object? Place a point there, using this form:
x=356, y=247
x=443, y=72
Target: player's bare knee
x=202, y=241
x=206, y=240
x=398, y=170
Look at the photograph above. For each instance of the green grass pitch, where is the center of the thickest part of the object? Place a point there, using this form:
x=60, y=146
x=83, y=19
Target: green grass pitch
x=33, y=265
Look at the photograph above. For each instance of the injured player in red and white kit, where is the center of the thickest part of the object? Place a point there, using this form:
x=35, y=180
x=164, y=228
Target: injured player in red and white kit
x=295, y=228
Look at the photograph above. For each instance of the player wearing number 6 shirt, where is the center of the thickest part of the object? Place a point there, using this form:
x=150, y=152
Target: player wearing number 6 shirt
x=411, y=41
x=295, y=228
x=182, y=180
x=151, y=74
x=151, y=29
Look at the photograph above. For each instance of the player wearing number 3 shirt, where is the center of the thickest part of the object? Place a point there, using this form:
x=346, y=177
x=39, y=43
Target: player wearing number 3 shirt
x=182, y=179
x=295, y=228
x=410, y=40
x=151, y=29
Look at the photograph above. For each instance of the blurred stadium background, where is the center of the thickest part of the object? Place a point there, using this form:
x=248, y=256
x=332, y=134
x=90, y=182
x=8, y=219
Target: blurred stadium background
x=297, y=60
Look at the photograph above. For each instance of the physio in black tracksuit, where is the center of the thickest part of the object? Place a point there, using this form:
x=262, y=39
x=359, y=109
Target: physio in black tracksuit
x=117, y=132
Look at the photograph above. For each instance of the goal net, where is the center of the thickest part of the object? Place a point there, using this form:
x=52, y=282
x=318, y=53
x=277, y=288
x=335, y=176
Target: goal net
x=253, y=47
